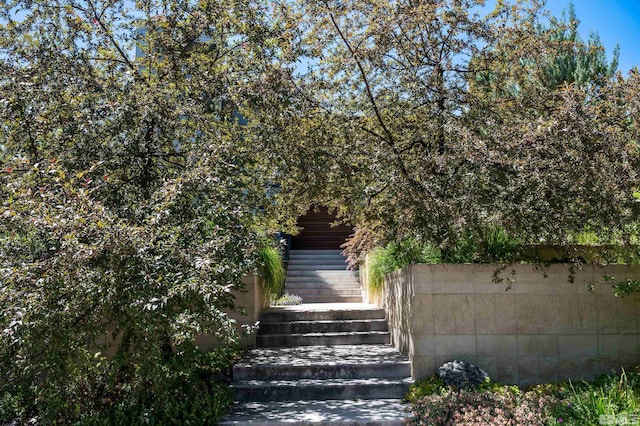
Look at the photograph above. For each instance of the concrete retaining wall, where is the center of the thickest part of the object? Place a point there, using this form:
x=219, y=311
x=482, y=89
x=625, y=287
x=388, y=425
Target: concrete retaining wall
x=543, y=329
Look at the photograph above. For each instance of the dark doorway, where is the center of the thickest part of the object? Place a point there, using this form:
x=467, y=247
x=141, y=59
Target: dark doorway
x=317, y=232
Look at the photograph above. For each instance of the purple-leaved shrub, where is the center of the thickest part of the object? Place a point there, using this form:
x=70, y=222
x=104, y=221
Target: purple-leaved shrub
x=490, y=407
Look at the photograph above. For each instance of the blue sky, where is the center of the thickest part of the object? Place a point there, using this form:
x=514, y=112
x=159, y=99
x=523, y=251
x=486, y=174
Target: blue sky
x=617, y=21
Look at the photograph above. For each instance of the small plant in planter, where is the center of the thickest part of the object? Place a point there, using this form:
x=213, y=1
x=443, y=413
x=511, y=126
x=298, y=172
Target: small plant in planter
x=288, y=300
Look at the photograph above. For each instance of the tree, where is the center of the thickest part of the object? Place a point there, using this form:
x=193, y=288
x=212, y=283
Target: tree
x=133, y=200
x=573, y=61
x=437, y=111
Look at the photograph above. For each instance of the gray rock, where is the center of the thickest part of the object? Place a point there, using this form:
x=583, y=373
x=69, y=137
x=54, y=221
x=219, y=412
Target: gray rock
x=461, y=374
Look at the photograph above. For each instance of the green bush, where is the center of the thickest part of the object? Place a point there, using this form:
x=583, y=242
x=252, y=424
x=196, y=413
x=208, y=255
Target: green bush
x=493, y=244
x=188, y=389
x=432, y=385
x=500, y=246
x=611, y=396
x=272, y=271
x=11, y=407
x=397, y=255
x=154, y=283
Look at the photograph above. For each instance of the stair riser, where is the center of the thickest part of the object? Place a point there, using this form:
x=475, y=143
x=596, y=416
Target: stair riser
x=296, y=393
x=322, y=327
x=362, y=371
x=288, y=316
x=280, y=341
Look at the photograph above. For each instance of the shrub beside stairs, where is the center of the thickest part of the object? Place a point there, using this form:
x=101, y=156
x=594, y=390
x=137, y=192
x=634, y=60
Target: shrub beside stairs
x=321, y=363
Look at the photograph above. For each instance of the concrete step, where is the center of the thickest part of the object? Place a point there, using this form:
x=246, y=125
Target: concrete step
x=324, y=289
x=310, y=280
x=313, y=296
x=315, y=339
x=324, y=371
x=344, y=284
x=320, y=312
x=322, y=274
x=320, y=389
x=309, y=357
x=320, y=291
x=332, y=299
x=372, y=412
x=302, y=327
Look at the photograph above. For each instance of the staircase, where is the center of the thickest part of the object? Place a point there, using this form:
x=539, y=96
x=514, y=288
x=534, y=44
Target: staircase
x=322, y=363
x=321, y=276
x=322, y=324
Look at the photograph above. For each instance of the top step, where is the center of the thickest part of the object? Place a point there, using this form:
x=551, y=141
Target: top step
x=322, y=311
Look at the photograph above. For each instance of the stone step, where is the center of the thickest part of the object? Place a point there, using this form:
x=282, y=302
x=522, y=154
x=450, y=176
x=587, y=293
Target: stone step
x=344, y=284
x=320, y=389
x=372, y=412
x=332, y=299
x=326, y=291
x=306, y=356
x=302, y=327
x=314, y=339
x=320, y=312
x=323, y=371
x=329, y=293
x=322, y=274
x=310, y=281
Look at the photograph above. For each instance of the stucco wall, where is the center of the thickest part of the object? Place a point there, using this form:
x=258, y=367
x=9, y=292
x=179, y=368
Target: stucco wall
x=543, y=329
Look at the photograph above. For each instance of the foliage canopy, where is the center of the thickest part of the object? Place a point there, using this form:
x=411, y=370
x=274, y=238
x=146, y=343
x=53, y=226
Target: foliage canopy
x=436, y=120
x=133, y=201
x=137, y=190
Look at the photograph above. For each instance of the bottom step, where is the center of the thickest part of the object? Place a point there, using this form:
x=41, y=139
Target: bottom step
x=383, y=412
